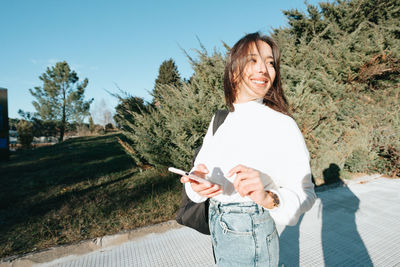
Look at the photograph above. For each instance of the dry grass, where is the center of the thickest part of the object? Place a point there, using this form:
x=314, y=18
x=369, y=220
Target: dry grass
x=76, y=190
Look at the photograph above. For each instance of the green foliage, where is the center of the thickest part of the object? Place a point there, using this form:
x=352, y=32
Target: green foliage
x=128, y=107
x=53, y=196
x=61, y=98
x=46, y=128
x=91, y=125
x=360, y=160
x=127, y=104
x=167, y=134
x=12, y=124
x=108, y=127
x=25, y=133
x=340, y=71
x=346, y=16
x=167, y=75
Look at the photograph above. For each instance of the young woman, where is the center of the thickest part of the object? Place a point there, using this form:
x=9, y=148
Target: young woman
x=257, y=161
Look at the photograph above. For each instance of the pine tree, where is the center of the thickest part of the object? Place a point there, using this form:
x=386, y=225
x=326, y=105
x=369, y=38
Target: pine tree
x=167, y=75
x=61, y=98
x=128, y=104
x=25, y=133
x=91, y=125
x=168, y=134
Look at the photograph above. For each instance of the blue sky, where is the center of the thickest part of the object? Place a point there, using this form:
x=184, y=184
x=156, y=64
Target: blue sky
x=119, y=43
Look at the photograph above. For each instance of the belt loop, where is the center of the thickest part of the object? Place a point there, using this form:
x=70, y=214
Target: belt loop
x=260, y=209
x=217, y=206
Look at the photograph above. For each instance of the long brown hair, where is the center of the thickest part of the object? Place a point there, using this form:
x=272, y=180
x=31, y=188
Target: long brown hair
x=235, y=64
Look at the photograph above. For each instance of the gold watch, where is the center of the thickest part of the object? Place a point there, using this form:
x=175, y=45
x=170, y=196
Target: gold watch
x=275, y=198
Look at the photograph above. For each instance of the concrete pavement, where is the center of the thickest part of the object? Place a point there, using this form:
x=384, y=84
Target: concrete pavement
x=354, y=224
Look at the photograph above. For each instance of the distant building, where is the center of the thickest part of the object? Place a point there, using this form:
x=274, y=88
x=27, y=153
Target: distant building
x=13, y=137
x=4, y=139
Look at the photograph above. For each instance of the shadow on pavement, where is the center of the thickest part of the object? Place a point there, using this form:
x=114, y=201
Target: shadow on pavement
x=340, y=239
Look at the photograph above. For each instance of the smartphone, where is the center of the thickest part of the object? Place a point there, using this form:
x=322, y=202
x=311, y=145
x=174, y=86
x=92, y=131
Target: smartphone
x=190, y=175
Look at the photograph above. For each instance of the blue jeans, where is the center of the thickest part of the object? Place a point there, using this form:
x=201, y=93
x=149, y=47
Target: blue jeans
x=243, y=234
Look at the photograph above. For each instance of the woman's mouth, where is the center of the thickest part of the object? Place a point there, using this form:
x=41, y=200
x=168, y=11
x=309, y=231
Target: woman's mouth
x=259, y=81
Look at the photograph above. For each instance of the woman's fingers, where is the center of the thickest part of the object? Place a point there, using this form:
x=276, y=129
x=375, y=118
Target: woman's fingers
x=216, y=193
x=200, y=186
x=247, y=187
x=243, y=169
x=238, y=179
x=209, y=190
x=184, y=179
x=201, y=168
x=249, y=174
x=237, y=169
x=247, y=180
x=204, y=189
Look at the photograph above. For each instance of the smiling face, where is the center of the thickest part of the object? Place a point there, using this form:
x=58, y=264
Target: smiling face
x=258, y=74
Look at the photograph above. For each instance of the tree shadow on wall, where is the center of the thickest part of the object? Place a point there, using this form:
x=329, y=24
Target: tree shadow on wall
x=340, y=239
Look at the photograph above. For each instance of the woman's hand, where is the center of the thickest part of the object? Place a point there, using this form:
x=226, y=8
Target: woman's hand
x=203, y=189
x=248, y=183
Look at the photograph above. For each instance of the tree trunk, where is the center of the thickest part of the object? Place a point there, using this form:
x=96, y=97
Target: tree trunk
x=62, y=126
x=63, y=119
x=62, y=129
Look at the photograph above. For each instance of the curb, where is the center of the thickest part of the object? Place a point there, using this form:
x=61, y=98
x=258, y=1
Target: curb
x=51, y=255
x=365, y=179
x=345, y=182
x=86, y=246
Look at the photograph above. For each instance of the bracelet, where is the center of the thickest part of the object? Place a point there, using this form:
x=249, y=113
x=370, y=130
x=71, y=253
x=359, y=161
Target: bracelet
x=275, y=198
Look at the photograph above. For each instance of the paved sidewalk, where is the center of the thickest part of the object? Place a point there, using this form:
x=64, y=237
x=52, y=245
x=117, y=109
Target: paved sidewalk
x=351, y=225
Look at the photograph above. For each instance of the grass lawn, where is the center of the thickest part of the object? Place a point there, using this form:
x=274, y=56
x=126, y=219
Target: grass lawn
x=79, y=189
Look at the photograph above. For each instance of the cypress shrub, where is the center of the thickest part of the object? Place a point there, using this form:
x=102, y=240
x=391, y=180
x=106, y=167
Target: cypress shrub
x=167, y=133
x=340, y=72
x=25, y=133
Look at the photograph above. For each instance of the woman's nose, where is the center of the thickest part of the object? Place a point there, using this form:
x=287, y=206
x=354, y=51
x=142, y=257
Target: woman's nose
x=261, y=67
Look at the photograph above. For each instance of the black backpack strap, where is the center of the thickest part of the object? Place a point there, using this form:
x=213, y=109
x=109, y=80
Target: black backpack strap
x=220, y=116
x=195, y=215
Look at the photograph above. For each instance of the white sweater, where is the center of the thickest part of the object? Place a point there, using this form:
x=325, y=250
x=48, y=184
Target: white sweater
x=261, y=138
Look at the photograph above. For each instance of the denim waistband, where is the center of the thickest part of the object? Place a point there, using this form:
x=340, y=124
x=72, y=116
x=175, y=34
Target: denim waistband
x=237, y=207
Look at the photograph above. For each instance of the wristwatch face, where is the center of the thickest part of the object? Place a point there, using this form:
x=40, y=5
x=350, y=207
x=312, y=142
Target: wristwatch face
x=275, y=198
